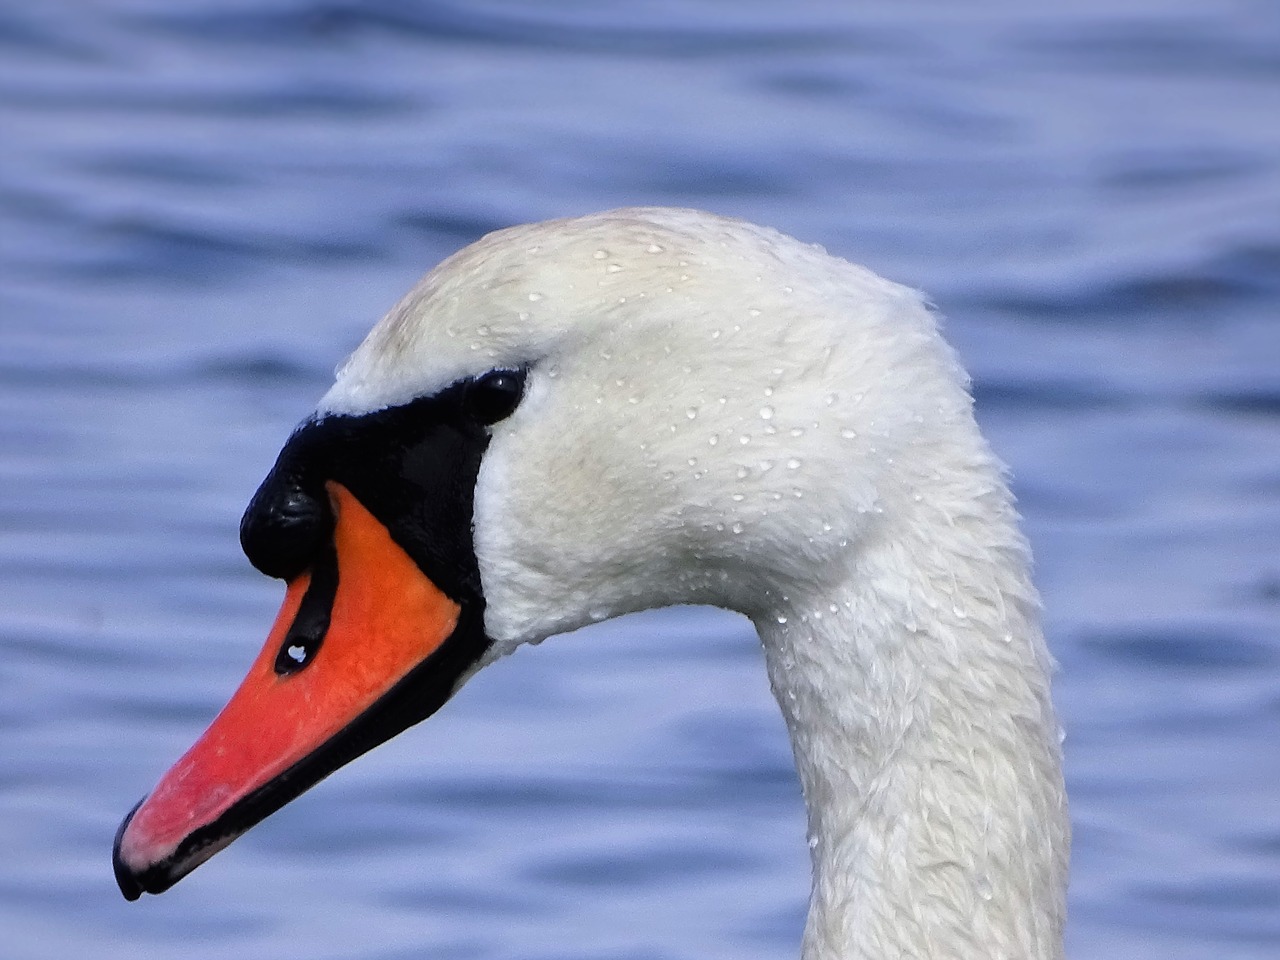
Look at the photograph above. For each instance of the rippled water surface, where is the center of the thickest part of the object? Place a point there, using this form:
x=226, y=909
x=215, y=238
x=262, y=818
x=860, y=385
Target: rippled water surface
x=203, y=206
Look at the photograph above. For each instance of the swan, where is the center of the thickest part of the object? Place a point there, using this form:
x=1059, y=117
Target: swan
x=577, y=419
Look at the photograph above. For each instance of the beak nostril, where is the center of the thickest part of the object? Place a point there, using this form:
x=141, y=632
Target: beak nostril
x=306, y=634
x=294, y=656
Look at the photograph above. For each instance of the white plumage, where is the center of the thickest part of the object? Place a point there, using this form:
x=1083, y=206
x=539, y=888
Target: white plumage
x=717, y=413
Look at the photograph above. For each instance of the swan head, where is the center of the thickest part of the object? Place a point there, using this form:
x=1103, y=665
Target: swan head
x=711, y=409
x=562, y=423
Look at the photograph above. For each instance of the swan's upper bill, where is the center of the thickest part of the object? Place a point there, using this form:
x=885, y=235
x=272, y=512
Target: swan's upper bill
x=576, y=419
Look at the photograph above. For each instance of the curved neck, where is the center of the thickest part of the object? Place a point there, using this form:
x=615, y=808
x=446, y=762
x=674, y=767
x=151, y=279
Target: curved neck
x=916, y=692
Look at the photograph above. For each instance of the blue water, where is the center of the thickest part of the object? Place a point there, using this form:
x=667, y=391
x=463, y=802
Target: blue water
x=204, y=205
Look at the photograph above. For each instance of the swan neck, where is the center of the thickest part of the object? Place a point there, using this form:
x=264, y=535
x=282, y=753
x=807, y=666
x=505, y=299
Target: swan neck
x=919, y=714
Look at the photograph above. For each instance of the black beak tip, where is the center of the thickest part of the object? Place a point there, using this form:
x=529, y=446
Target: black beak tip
x=126, y=879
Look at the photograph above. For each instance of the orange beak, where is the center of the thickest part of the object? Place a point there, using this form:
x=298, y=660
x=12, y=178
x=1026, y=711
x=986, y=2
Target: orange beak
x=314, y=699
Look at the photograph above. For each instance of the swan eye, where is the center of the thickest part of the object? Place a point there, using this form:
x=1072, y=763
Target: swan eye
x=495, y=395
